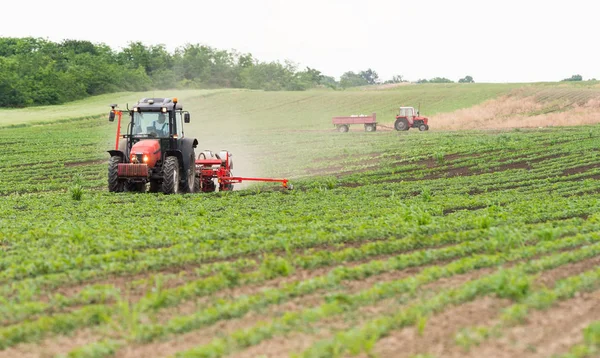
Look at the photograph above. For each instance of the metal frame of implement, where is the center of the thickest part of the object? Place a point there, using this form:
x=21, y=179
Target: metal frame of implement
x=208, y=169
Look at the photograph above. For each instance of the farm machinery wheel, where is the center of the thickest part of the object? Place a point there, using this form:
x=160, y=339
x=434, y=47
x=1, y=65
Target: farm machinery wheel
x=170, y=184
x=401, y=124
x=343, y=128
x=427, y=127
x=423, y=127
x=196, y=184
x=208, y=186
x=114, y=185
x=370, y=127
x=192, y=183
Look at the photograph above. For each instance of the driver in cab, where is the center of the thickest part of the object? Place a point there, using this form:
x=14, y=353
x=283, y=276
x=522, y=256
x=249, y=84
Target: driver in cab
x=161, y=126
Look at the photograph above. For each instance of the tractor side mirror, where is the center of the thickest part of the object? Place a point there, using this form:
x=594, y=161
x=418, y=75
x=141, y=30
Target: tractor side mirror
x=186, y=117
x=111, y=115
x=418, y=113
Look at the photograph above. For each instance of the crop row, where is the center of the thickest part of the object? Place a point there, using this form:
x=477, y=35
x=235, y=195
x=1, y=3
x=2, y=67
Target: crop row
x=239, y=306
x=511, y=283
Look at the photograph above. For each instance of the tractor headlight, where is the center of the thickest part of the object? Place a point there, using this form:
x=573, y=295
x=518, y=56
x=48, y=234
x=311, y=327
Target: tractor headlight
x=145, y=159
x=164, y=109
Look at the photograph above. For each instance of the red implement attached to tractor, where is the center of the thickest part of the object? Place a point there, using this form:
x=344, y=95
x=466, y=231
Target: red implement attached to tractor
x=218, y=166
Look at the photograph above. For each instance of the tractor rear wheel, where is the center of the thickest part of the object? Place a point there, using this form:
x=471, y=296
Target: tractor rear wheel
x=401, y=124
x=343, y=128
x=423, y=127
x=170, y=184
x=114, y=185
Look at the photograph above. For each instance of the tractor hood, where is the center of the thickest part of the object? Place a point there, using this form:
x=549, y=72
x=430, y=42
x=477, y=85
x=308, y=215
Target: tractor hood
x=146, y=151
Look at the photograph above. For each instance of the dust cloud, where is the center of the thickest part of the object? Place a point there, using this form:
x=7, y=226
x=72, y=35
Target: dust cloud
x=217, y=134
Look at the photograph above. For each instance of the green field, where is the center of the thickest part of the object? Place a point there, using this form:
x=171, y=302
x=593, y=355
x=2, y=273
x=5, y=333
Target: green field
x=446, y=243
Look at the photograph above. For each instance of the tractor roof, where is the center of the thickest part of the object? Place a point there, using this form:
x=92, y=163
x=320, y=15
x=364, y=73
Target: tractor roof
x=156, y=104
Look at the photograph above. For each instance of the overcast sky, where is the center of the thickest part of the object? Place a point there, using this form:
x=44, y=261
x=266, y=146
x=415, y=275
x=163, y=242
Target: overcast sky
x=491, y=40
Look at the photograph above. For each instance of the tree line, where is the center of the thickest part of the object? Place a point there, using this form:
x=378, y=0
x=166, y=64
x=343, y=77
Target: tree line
x=36, y=71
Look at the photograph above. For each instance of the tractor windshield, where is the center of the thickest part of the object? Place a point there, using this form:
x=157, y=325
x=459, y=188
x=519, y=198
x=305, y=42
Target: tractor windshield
x=150, y=124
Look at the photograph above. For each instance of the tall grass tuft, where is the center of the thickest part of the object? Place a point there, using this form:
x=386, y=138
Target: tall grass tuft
x=76, y=189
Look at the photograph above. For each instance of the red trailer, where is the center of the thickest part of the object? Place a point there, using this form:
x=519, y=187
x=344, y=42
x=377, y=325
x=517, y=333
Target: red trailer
x=343, y=123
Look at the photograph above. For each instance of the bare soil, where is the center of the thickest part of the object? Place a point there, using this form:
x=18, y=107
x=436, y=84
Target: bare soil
x=52, y=346
x=438, y=334
x=545, y=333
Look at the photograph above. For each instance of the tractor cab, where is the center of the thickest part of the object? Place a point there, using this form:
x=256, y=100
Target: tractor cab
x=407, y=112
x=157, y=118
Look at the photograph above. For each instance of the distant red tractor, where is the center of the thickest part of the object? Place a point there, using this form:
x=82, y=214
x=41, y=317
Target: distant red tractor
x=409, y=118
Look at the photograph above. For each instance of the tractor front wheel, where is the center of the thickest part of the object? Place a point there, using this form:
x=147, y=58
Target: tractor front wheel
x=423, y=127
x=114, y=185
x=401, y=124
x=427, y=127
x=170, y=184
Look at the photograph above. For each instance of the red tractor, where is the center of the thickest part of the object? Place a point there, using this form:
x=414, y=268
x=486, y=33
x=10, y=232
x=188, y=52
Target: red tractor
x=155, y=151
x=409, y=118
